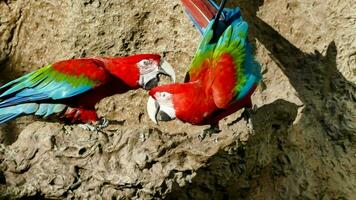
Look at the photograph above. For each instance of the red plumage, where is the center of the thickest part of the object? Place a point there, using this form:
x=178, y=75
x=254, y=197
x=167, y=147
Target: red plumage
x=114, y=76
x=206, y=98
x=92, y=68
x=222, y=77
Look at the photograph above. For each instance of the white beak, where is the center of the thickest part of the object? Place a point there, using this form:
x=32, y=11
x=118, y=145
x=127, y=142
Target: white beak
x=167, y=69
x=152, y=109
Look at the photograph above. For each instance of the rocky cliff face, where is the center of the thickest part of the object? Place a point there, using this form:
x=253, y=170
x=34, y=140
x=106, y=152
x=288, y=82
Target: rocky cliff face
x=303, y=143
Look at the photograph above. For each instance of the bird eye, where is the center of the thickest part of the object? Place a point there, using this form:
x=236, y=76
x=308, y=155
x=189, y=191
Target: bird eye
x=162, y=95
x=146, y=62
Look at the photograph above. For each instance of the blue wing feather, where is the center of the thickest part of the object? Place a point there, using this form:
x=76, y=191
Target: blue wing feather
x=214, y=4
x=11, y=112
x=44, y=110
x=6, y=117
x=40, y=85
x=25, y=95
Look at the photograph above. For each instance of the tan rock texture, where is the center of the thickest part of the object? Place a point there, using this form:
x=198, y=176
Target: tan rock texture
x=303, y=145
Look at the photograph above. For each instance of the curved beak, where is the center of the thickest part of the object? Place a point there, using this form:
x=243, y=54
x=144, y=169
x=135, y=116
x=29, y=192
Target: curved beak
x=167, y=69
x=152, y=109
x=150, y=84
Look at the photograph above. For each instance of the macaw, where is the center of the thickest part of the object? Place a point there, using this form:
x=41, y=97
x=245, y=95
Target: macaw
x=71, y=88
x=222, y=76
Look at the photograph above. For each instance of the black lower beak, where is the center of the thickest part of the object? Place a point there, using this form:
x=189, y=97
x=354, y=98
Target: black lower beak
x=151, y=84
x=163, y=116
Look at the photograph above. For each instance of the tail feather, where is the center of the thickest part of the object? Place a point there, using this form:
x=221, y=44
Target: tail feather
x=214, y=4
x=7, y=117
x=200, y=12
x=19, y=99
x=46, y=110
x=12, y=112
x=42, y=110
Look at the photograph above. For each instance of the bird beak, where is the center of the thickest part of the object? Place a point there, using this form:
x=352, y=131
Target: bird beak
x=152, y=109
x=150, y=84
x=167, y=69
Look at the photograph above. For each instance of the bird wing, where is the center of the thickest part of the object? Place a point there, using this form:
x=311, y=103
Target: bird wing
x=60, y=80
x=224, y=61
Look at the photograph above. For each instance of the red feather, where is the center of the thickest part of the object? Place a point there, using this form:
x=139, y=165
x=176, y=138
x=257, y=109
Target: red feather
x=191, y=102
x=126, y=68
x=125, y=77
x=224, y=83
x=88, y=67
x=219, y=114
x=201, y=11
x=74, y=115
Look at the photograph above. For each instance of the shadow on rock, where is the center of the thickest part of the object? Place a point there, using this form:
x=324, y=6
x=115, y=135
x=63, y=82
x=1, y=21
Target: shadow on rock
x=35, y=197
x=10, y=131
x=272, y=165
x=228, y=174
x=325, y=92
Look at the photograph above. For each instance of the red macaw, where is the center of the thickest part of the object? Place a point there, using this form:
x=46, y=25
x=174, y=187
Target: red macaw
x=223, y=74
x=71, y=88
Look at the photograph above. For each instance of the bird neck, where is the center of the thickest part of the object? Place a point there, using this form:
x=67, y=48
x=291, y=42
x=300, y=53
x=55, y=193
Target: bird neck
x=124, y=70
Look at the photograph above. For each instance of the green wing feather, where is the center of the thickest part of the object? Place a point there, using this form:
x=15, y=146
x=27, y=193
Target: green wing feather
x=227, y=44
x=232, y=42
x=45, y=83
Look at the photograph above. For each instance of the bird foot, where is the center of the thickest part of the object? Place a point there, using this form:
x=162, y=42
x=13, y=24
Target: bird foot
x=88, y=127
x=103, y=123
x=213, y=129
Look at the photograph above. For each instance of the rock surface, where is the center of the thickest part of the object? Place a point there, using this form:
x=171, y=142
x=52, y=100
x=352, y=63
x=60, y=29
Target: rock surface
x=303, y=143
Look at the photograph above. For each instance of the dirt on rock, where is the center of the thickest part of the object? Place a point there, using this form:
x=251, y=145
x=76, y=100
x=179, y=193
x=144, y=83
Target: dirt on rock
x=303, y=141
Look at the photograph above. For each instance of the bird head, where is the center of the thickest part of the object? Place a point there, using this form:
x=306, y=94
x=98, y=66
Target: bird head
x=141, y=70
x=171, y=101
x=150, y=68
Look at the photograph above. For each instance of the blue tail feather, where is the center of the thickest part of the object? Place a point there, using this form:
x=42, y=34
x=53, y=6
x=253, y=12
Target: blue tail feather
x=43, y=110
x=213, y=3
x=7, y=117
x=19, y=99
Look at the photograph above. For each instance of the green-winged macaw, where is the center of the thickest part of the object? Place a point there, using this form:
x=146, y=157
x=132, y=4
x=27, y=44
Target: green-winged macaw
x=71, y=88
x=222, y=76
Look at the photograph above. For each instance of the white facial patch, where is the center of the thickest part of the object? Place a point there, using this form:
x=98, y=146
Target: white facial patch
x=165, y=101
x=147, y=66
x=148, y=71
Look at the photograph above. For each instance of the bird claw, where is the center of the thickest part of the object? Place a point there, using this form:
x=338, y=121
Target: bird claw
x=103, y=123
x=250, y=126
x=88, y=127
x=213, y=129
